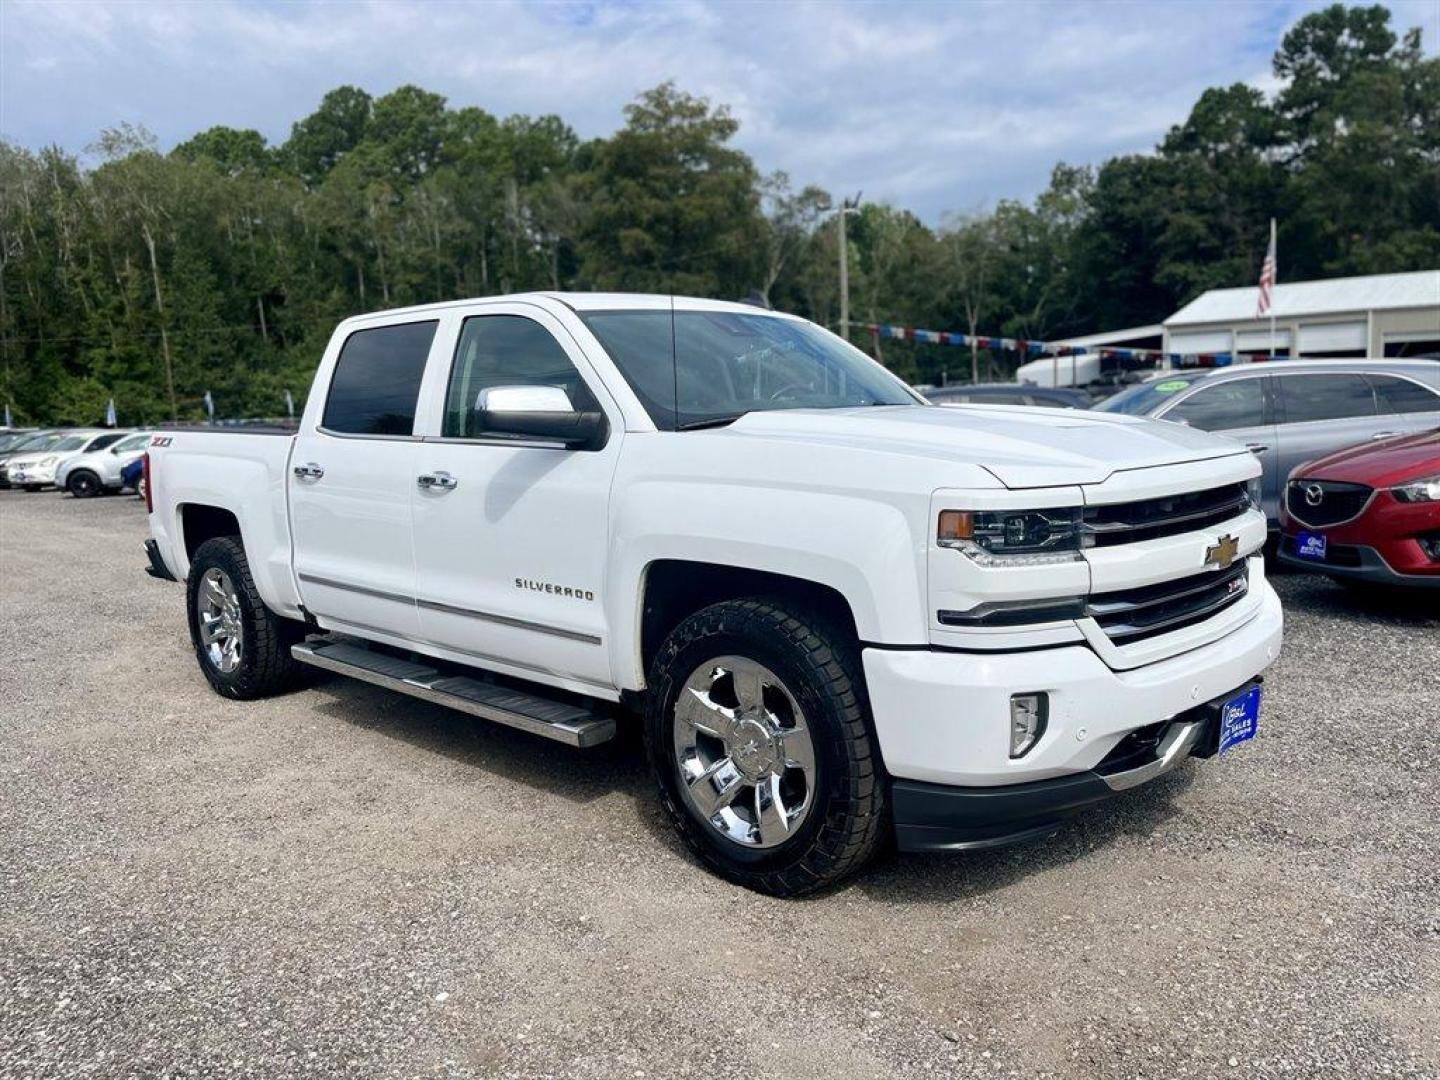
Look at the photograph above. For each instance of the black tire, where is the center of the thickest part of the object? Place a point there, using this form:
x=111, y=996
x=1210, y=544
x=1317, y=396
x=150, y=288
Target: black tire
x=820, y=667
x=266, y=666
x=84, y=484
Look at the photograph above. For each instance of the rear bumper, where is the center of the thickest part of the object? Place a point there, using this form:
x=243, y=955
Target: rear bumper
x=936, y=817
x=157, y=567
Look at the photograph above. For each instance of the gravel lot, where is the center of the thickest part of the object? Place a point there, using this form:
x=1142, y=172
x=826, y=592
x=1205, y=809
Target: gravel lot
x=347, y=882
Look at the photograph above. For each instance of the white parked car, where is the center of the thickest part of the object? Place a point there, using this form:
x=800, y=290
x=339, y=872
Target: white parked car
x=97, y=470
x=835, y=609
x=34, y=471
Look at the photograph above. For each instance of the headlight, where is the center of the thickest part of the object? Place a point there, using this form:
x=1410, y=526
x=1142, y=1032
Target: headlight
x=1012, y=537
x=1425, y=490
x=45, y=463
x=1255, y=490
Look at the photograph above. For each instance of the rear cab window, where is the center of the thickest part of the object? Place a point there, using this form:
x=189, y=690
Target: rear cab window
x=376, y=382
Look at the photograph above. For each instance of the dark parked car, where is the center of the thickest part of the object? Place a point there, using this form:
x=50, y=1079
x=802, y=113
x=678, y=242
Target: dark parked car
x=1370, y=513
x=1059, y=397
x=1292, y=411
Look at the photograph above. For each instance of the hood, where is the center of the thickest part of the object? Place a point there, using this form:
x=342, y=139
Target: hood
x=1379, y=464
x=1021, y=446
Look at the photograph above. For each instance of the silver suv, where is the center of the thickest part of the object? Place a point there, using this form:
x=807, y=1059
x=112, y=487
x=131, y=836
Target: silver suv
x=1290, y=411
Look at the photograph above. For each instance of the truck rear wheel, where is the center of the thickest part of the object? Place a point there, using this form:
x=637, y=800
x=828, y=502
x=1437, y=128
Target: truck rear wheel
x=243, y=647
x=756, y=732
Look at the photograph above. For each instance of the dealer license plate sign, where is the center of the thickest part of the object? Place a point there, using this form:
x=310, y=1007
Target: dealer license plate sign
x=1239, y=717
x=1310, y=545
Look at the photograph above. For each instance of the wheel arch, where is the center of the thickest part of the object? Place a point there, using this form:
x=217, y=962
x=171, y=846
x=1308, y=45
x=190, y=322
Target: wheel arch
x=674, y=589
x=200, y=522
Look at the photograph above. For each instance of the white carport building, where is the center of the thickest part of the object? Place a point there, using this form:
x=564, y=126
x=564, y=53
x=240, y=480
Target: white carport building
x=1377, y=315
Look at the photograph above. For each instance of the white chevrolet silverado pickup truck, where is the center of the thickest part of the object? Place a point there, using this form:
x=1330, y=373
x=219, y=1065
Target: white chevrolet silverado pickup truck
x=840, y=610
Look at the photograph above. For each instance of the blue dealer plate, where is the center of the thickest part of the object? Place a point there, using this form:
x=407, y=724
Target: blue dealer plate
x=1310, y=545
x=1239, y=717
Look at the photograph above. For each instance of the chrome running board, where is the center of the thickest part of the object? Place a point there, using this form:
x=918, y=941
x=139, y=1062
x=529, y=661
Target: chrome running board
x=534, y=712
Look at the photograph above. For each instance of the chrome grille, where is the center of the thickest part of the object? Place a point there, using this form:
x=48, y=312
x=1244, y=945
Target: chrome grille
x=1134, y=614
x=1325, y=502
x=1150, y=519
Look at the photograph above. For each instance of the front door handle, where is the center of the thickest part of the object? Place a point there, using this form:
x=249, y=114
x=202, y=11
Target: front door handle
x=1256, y=448
x=309, y=471
x=439, y=480
x=1384, y=435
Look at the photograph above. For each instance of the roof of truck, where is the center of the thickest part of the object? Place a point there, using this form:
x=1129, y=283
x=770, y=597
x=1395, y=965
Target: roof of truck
x=586, y=301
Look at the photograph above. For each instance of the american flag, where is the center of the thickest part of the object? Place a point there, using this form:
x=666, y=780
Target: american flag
x=1267, y=276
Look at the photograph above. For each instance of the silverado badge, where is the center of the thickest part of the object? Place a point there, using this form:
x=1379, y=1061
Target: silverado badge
x=1222, y=553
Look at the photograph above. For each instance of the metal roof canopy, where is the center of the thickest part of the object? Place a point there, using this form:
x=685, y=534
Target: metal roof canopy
x=1375, y=292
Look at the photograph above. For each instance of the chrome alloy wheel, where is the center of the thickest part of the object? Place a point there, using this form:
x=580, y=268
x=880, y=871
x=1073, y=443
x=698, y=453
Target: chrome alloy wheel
x=221, y=627
x=746, y=759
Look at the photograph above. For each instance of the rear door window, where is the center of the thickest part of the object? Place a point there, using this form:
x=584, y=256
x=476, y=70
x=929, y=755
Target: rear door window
x=377, y=380
x=1323, y=396
x=1237, y=403
x=1403, y=396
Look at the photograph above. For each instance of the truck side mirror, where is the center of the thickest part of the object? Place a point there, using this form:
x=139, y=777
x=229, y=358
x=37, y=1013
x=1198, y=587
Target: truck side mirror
x=538, y=412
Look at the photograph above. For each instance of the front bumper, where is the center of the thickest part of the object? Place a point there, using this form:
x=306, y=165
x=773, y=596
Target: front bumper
x=1362, y=563
x=934, y=817
x=31, y=477
x=944, y=717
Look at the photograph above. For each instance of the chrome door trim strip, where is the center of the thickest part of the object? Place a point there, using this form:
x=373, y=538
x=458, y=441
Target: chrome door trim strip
x=451, y=609
x=507, y=620
x=379, y=594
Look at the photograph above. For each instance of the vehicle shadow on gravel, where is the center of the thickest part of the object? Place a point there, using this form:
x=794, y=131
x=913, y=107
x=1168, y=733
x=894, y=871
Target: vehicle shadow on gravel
x=577, y=775
x=1414, y=607
x=582, y=776
x=943, y=878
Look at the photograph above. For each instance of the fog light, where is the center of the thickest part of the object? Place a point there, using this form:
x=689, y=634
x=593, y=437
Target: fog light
x=1028, y=713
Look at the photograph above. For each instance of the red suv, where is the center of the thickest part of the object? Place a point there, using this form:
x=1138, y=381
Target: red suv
x=1369, y=513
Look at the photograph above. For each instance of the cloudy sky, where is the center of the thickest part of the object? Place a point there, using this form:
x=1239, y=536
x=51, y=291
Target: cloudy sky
x=936, y=106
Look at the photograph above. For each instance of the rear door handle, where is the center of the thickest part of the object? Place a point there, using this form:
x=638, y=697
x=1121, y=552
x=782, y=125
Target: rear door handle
x=309, y=471
x=1384, y=435
x=439, y=480
x=1256, y=448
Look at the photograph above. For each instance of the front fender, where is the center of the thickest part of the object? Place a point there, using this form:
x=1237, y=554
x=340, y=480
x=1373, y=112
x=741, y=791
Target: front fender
x=864, y=548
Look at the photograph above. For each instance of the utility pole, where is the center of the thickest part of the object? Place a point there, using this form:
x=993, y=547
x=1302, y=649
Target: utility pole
x=847, y=206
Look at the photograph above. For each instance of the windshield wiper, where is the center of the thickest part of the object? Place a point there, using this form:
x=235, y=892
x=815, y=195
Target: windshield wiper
x=712, y=421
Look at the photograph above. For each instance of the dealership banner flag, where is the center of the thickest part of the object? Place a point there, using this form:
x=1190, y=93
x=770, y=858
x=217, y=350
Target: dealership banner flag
x=110, y=413
x=210, y=406
x=290, y=404
x=7, y=415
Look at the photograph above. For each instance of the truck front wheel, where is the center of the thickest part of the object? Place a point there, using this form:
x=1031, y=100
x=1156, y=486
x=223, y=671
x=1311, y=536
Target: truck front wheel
x=243, y=647
x=756, y=733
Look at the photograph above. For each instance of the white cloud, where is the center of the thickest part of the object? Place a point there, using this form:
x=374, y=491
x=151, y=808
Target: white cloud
x=934, y=106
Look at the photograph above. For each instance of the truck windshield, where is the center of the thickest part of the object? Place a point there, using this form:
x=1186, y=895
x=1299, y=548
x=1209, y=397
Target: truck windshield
x=699, y=368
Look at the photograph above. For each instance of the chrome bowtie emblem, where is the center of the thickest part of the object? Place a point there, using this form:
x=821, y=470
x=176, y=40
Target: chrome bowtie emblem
x=1222, y=553
x=1314, y=494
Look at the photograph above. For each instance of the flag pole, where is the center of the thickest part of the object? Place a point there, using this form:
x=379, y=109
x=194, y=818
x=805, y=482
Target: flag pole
x=1276, y=256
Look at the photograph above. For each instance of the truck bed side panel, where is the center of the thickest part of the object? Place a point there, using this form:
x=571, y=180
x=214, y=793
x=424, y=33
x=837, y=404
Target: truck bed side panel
x=245, y=474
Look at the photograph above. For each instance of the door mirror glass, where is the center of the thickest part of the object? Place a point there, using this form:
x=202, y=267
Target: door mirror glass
x=537, y=412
